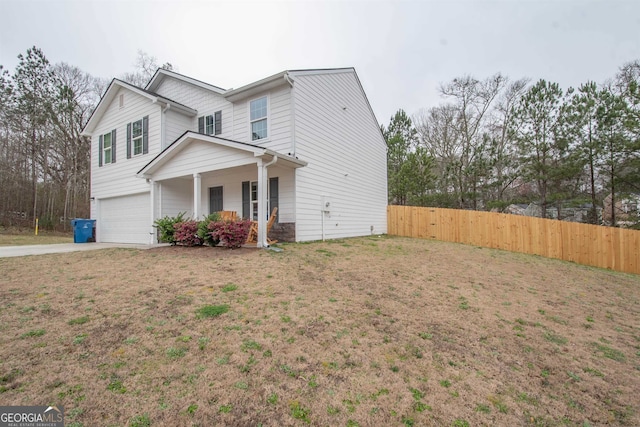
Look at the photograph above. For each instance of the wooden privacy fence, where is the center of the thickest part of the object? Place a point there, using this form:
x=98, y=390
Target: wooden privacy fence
x=606, y=247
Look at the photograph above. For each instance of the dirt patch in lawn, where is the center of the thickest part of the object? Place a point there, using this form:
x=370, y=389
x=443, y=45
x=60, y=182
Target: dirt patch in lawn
x=369, y=331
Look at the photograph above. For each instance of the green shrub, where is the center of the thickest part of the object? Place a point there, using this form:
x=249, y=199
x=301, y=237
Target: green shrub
x=166, y=227
x=203, y=230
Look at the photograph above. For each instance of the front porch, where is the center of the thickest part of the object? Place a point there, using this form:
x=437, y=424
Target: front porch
x=200, y=174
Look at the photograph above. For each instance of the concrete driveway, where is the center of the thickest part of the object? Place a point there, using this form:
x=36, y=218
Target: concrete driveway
x=13, y=251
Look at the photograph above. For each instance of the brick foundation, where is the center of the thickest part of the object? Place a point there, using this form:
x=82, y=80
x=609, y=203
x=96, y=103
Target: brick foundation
x=283, y=232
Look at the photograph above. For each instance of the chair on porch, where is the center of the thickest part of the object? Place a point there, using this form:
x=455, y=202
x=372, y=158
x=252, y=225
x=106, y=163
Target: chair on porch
x=228, y=215
x=253, y=231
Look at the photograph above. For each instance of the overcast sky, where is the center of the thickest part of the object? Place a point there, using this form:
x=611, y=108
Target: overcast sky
x=402, y=50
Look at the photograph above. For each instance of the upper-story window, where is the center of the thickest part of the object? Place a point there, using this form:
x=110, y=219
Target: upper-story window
x=258, y=118
x=107, y=148
x=210, y=125
x=138, y=137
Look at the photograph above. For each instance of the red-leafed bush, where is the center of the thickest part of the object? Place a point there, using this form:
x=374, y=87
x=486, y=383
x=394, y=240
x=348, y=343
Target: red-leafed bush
x=232, y=234
x=186, y=233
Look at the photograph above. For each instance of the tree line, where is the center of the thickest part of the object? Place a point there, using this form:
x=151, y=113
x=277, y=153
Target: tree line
x=495, y=142
x=44, y=159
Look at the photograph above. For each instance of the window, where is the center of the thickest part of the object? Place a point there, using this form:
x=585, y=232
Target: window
x=210, y=125
x=250, y=198
x=258, y=118
x=138, y=137
x=107, y=148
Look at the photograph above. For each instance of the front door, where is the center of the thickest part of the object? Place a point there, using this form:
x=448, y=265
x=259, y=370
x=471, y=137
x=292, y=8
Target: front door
x=215, y=199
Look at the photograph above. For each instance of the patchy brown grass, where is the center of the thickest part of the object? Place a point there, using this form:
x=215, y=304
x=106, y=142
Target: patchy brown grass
x=21, y=237
x=369, y=331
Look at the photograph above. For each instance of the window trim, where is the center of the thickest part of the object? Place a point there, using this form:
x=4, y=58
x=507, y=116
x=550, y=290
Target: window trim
x=266, y=118
x=253, y=203
x=209, y=125
x=105, y=148
x=135, y=138
x=143, y=138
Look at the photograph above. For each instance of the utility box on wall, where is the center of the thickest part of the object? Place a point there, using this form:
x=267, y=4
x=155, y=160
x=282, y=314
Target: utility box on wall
x=326, y=204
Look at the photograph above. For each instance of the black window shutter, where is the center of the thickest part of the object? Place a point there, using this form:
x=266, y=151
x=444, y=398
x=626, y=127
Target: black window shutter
x=218, y=122
x=246, y=200
x=113, y=146
x=273, y=195
x=145, y=134
x=201, y=124
x=100, y=151
x=128, y=140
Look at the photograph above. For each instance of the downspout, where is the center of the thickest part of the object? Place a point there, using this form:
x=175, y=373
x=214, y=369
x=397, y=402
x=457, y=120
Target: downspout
x=292, y=120
x=293, y=115
x=263, y=237
x=163, y=123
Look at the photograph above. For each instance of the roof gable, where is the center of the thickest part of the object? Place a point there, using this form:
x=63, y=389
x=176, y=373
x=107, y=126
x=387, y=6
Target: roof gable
x=110, y=94
x=295, y=73
x=189, y=137
x=162, y=74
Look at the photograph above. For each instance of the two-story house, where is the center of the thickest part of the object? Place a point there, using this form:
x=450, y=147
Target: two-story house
x=305, y=141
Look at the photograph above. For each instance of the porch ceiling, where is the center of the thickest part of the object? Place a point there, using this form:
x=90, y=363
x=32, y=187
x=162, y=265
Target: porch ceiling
x=197, y=153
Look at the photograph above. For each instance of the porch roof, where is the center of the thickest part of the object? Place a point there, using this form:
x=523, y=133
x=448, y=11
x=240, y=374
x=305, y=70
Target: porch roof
x=189, y=137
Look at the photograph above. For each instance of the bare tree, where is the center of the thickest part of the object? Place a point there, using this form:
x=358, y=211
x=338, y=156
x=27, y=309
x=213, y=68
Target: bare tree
x=502, y=147
x=438, y=135
x=144, y=68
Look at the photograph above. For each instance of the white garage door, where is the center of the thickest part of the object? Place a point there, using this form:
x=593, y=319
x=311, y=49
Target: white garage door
x=125, y=219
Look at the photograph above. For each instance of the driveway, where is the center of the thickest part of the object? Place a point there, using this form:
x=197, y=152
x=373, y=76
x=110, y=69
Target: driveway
x=13, y=251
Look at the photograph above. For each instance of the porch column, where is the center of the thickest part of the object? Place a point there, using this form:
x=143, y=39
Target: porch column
x=153, y=201
x=197, y=193
x=262, y=202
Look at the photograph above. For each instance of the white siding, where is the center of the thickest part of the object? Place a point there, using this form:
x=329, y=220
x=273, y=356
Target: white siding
x=119, y=178
x=205, y=101
x=235, y=116
x=340, y=139
x=175, y=125
x=200, y=157
x=176, y=196
x=278, y=120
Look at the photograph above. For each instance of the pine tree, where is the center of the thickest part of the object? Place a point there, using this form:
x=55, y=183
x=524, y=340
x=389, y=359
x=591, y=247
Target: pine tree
x=542, y=150
x=33, y=98
x=401, y=138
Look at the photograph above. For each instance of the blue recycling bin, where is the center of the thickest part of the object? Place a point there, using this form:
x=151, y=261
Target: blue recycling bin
x=84, y=230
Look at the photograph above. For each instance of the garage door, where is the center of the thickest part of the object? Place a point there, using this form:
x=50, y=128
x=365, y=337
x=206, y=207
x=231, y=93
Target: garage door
x=125, y=219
